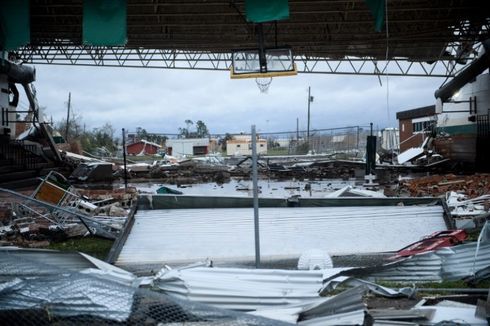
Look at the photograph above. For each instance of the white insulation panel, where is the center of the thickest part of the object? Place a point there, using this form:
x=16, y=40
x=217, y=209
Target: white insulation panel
x=188, y=235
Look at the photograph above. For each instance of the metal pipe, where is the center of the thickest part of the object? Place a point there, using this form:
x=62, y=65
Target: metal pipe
x=466, y=75
x=17, y=73
x=256, y=198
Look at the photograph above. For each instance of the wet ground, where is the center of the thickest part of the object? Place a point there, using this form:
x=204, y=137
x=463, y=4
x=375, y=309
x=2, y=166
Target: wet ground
x=268, y=188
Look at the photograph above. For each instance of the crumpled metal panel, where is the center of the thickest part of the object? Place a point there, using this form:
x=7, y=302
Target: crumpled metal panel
x=59, y=296
x=72, y=261
x=314, y=312
x=451, y=263
x=332, y=284
x=348, y=318
x=68, y=295
x=420, y=268
x=242, y=289
x=183, y=236
x=17, y=262
x=26, y=282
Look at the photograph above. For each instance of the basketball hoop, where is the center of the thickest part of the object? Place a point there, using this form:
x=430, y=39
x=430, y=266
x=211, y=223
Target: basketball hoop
x=263, y=84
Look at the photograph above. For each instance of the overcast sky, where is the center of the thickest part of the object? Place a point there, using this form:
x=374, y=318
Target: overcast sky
x=160, y=100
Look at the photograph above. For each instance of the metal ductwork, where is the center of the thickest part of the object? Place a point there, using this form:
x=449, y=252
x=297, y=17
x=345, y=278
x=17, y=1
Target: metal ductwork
x=17, y=73
x=466, y=75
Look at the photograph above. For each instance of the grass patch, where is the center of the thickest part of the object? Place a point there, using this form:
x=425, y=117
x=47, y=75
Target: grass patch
x=92, y=246
x=144, y=158
x=437, y=285
x=278, y=151
x=473, y=234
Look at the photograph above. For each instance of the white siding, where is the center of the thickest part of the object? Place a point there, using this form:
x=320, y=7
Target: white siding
x=181, y=147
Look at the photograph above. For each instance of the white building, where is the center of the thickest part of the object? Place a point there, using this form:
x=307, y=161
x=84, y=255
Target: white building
x=242, y=145
x=283, y=142
x=187, y=147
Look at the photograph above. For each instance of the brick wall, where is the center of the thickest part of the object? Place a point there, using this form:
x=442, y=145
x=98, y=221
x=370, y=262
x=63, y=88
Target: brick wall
x=406, y=132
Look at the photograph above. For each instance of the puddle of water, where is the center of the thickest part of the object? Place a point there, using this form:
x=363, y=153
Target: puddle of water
x=268, y=188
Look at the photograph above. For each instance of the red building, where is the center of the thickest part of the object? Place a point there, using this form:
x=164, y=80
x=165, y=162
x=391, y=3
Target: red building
x=142, y=147
x=415, y=125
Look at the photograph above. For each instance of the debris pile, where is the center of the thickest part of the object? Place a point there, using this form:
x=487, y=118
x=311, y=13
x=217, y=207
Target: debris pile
x=437, y=185
x=90, y=290
x=56, y=211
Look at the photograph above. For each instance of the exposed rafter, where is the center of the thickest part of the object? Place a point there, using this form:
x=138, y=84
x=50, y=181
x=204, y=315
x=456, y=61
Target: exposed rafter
x=426, y=38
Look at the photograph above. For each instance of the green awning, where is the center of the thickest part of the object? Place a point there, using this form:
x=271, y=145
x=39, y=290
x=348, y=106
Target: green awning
x=377, y=8
x=259, y=11
x=104, y=22
x=14, y=24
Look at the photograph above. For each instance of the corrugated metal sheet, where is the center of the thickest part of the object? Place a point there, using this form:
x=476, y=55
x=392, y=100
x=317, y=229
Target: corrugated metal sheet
x=188, y=235
x=243, y=289
x=72, y=261
x=30, y=283
x=316, y=312
x=69, y=295
x=347, y=318
x=452, y=263
x=16, y=262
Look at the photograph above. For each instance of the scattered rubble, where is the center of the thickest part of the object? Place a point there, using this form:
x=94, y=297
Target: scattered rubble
x=438, y=185
x=91, y=290
x=56, y=210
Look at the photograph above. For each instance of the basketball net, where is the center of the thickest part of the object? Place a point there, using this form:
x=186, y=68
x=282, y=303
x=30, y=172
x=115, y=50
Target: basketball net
x=263, y=84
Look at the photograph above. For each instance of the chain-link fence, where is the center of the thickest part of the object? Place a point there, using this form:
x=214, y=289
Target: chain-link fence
x=35, y=293
x=348, y=141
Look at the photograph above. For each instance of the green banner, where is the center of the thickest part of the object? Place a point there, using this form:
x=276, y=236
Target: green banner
x=14, y=24
x=104, y=22
x=259, y=11
x=377, y=8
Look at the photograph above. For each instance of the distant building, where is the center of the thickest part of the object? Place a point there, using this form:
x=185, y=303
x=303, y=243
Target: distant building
x=142, y=147
x=415, y=124
x=189, y=146
x=390, y=139
x=131, y=138
x=242, y=145
x=282, y=142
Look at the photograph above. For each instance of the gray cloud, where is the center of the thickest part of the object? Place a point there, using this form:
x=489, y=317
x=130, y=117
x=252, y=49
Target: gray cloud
x=160, y=100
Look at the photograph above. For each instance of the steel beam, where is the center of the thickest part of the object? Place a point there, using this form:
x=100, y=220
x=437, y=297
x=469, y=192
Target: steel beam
x=65, y=53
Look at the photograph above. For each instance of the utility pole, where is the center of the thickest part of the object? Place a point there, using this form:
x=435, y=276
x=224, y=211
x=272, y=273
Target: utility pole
x=310, y=99
x=68, y=117
x=256, y=197
x=297, y=130
x=124, y=159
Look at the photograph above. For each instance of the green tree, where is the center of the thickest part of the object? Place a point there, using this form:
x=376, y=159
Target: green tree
x=201, y=129
x=104, y=137
x=141, y=133
x=75, y=128
x=224, y=140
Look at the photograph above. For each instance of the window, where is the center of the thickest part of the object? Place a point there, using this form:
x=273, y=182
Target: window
x=238, y=145
x=261, y=145
x=423, y=126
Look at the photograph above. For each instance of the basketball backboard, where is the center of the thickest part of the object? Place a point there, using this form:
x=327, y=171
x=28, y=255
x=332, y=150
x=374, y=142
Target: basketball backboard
x=278, y=62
